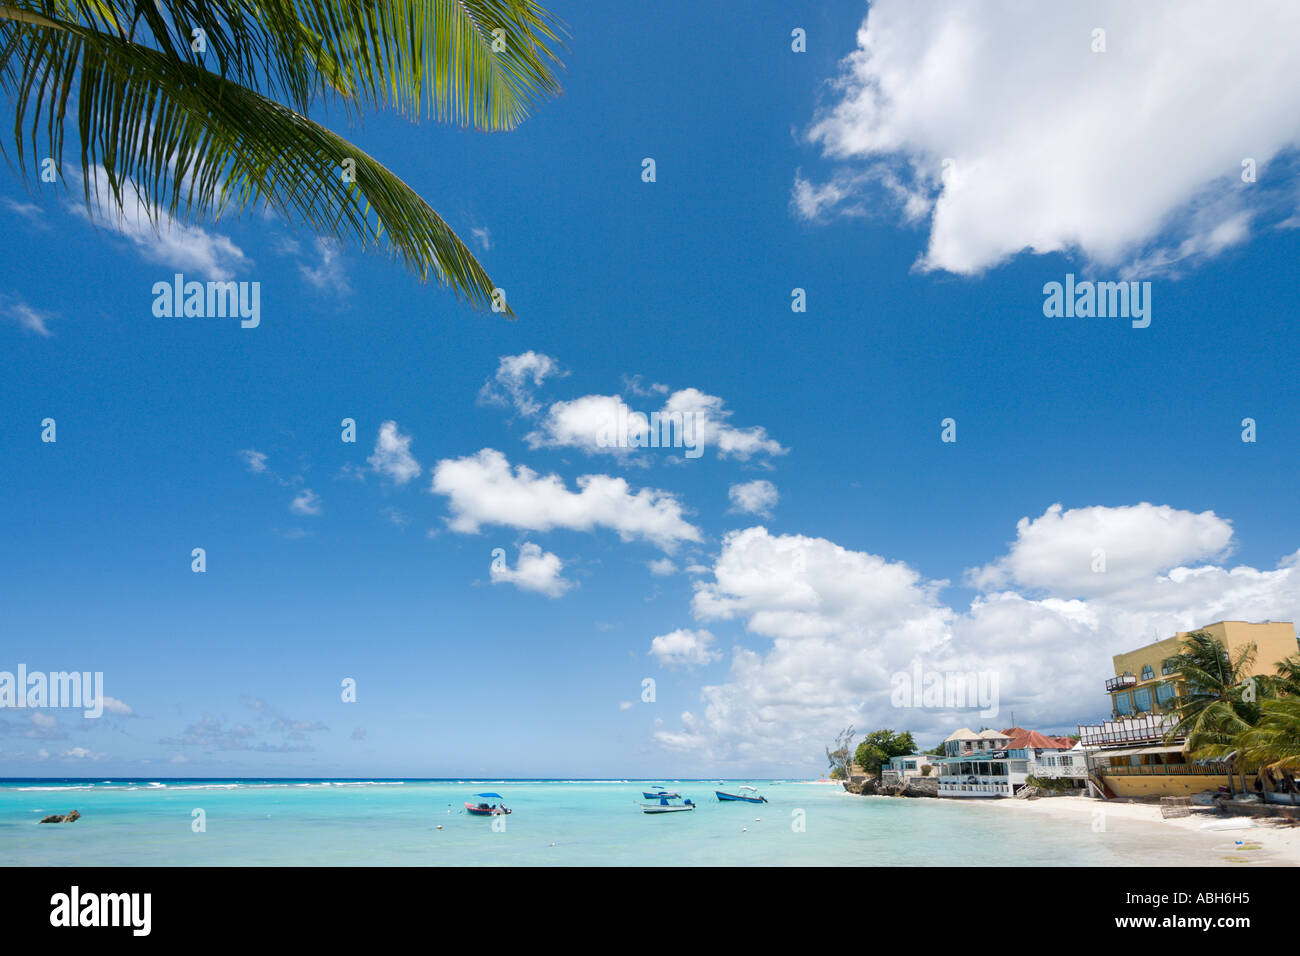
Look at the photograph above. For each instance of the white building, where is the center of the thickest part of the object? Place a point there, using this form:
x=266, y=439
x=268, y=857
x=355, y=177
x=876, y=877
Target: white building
x=898, y=769
x=993, y=763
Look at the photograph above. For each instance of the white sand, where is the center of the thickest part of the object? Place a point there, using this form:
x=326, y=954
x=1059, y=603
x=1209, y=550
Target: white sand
x=1267, y=843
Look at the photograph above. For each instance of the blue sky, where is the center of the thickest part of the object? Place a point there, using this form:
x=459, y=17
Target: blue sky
x=885, y=544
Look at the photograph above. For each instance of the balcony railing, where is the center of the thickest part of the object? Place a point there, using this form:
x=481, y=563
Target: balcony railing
x=1165, y=770
x=1119, y=683
x=1131, y=730
x=1056, y=773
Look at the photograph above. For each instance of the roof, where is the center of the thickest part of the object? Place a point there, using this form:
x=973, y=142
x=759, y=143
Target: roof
x=1033, y=739
x=986, y=734
x=964, y=734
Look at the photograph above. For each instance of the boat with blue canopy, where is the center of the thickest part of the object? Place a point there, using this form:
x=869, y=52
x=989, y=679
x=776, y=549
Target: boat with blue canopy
x=654, y=793
x=484, y=809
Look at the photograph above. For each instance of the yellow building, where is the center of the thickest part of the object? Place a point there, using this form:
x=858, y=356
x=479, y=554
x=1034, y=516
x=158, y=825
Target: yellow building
x=1131, y=756
x=1144, y=685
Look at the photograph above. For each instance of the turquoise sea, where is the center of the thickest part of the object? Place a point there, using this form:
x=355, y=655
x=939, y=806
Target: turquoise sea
x=148, y=822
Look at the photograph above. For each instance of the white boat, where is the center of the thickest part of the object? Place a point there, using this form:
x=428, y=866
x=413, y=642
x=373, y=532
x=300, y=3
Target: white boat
x=663, y=806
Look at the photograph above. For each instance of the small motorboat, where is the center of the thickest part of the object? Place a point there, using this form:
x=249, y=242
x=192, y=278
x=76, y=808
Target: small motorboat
x=663, y=806
x=654, y=793
x=744, y=794
x=483, y=809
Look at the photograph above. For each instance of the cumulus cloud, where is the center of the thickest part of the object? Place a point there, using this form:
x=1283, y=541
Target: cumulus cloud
x=831, y=629
x=255, y=460
x=753, y=497
x=159, y=237
x=306, y=502
x=684, y=648
x=1000, y=123
x=516, y=380
x=662, y=567
x=1103, y=551
x=535, y=570
x=484, y=489
x=605, y=423
x=392, y=455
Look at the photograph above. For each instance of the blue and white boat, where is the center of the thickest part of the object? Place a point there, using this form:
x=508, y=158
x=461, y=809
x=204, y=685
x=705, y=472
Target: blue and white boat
x=664, y=806
x=745, y=794
x=654, y=793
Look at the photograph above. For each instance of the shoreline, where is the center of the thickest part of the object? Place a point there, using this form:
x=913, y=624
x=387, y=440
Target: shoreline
x=1265, y=844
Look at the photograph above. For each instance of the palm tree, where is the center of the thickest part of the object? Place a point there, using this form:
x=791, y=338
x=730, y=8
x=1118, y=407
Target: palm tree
x=1213, y=708
x=198, y=107
x=1273, y=744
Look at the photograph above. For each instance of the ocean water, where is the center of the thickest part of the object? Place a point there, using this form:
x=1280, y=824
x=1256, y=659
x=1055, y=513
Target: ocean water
x=554, y=823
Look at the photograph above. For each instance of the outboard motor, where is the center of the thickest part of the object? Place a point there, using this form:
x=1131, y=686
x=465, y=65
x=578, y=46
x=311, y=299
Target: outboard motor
x=688, y=803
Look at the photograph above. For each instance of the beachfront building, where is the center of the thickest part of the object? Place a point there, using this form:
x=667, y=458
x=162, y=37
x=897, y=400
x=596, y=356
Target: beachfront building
x=1069, y=765
x=1130, y=755
x=973, y=770
x=965, y=742
x=899, y=769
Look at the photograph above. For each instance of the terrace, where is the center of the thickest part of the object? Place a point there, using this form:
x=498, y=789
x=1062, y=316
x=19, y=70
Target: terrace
x=1150, y=728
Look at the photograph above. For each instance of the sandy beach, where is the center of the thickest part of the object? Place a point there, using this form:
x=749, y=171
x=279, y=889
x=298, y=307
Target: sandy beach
x=1265, y=844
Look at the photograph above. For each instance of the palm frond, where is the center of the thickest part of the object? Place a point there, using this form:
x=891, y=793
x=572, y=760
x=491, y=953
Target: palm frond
x=187, y=138
x=197, y=128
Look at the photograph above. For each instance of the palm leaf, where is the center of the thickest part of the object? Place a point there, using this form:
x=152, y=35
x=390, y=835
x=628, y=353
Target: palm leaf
x=201, y=142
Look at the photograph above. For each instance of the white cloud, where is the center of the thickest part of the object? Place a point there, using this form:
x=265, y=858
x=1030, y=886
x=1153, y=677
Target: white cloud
x=597, y=423
x=392, y=455
x=81, y=753
x=662, y=567
x=157, y=236
x=536, y=570
x=1132, y=156
x=625, y=705
x=834, y=626
x=327, y=273
x=684, y=648
x=30, y=319
x=757, y=497
x=306, y=502
x=1087, y=552
x=516, y=379
x=255, y=460
x=484, y=489
x=483, y=236
x=117, y=708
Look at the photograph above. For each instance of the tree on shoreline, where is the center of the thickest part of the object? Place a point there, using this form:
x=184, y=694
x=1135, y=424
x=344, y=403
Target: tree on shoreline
x=840, y=756
x=879, y=745
x=199, y=107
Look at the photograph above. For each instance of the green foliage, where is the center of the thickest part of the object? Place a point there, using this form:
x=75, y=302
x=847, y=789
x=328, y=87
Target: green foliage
x=204, y=126
x=879, y=745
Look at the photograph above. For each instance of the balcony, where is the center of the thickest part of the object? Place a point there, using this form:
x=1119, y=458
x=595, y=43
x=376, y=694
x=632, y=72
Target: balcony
x=1121, y=682
x=1133, y=730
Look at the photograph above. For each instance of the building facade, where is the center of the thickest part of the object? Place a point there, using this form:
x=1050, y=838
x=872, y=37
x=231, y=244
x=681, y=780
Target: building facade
x=1132, y=755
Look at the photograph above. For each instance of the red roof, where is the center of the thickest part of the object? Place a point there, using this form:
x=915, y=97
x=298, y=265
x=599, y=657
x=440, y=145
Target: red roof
x=1032, y=738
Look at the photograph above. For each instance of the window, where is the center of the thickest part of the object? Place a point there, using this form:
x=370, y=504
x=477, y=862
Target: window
x=1148, y=672
x=1167, y=668
x=1123, y=703
x=1142, y=698
x=1165, y=692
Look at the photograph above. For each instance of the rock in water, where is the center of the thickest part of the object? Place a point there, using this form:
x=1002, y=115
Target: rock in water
x=61, y=818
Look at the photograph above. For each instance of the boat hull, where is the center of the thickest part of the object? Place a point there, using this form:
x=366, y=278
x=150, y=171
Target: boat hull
x=658, y=809
x=737, y=798
x=658, y=796
x=485, y=811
